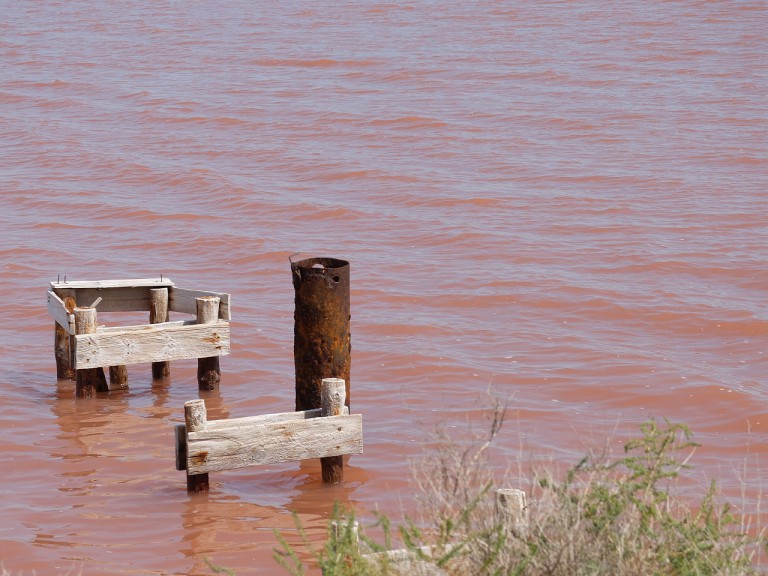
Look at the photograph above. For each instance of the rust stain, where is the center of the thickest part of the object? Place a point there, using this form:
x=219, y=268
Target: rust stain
x=199, y=458
x=214, y=339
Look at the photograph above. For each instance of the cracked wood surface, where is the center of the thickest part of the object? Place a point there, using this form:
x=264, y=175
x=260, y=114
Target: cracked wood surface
x=258, y=440
x=151, y=343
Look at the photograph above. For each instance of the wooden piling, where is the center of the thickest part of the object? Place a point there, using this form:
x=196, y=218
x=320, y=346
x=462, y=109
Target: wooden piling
x=118, y=377
x=512, y=511
x=64, y=369
x=63, y=340
x=208, y=370
x=322, y=342
x=195, y=417
x=158, y=313
x=332, y=396
x=88, y=380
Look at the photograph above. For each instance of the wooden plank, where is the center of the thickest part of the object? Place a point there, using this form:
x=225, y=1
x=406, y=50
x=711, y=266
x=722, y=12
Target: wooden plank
x=143, y=327
x=58, y=310
x=255, y=421
x=122, y=299
x=183, y=300
x=156, y=342
x=129, y=283
x=267, y=443
x=130, y=295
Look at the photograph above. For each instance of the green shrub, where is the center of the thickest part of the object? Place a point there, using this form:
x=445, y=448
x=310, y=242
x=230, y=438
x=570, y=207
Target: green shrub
x=605, y=516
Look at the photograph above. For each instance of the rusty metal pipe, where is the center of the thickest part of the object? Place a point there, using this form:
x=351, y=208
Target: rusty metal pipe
x=322, y=341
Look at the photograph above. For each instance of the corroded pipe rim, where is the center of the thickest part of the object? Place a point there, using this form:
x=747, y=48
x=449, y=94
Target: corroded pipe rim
x=333, y=268
x=318, y=263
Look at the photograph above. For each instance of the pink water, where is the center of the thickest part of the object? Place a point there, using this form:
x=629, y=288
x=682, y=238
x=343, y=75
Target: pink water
x=564, y=201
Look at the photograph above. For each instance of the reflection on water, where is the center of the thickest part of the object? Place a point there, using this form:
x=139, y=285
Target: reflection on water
x=116, y=473
x=231, y=527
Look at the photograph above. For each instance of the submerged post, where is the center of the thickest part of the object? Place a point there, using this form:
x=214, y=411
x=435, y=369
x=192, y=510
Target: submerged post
x=88, y=380
x=332, y=396
x=118, y=377
x=322, y=342
x=63, y=340
x=208, y=370
x=195, y=418
x=158, y=313
x=61, y=350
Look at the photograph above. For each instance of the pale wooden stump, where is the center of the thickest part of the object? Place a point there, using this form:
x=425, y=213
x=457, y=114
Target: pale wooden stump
x=195, y=416
x=333, y=393
x=208, y=370
x=88, y=380
x=158, y=313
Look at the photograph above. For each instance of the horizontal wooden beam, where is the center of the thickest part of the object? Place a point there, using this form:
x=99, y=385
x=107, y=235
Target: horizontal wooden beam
x=239, y=423
x=118, y=299
x=143, y=327
x=183, y=301
x=253, y=442
x=151, y=343
x=114, y=295
x=134, y=295
x=130, y=283
x=58, y=310
x=255, y=421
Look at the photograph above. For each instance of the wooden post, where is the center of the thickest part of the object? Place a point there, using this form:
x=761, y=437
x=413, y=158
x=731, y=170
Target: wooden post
x=89, y=380
x=322, y=342
x=118, y=377
x=195, y=417
x=64, y=369
x=208, y=371
x=158, y=313
x=62, y=341
x=512, y=511
x=332, y=396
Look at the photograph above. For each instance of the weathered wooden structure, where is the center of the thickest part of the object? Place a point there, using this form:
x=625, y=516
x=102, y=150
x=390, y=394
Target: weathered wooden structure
x=204, y=446
x=83, y=348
